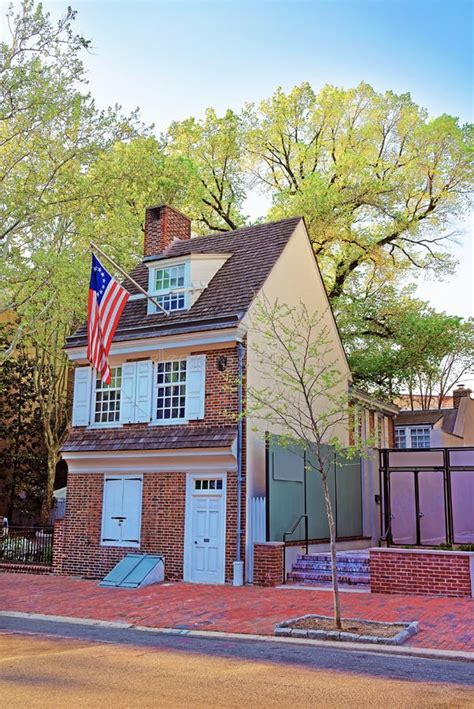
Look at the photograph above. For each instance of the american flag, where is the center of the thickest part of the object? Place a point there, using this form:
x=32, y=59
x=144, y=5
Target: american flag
x=107, y=299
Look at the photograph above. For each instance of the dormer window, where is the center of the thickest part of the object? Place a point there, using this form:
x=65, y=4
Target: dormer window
x=169, y=285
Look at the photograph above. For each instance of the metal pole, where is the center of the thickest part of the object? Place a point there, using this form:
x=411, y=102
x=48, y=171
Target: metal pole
x=94, y=247
x=240, y=350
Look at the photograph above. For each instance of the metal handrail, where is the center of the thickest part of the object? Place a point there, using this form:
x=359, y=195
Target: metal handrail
x=291, y=531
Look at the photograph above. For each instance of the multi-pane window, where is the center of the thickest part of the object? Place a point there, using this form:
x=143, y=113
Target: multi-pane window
x=400, y=438
x=171, y=390
x=412, y=437
x=207, y=484
x=420, y=437
x=169, y=287
x=107, y=398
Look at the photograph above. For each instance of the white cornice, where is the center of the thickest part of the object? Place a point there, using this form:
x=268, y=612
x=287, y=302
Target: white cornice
x=199, y=460
x=153, y=344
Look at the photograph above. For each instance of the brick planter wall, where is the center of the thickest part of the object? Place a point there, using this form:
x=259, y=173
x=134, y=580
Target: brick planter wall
x=11, y=568
x=268, y=563
x=422, y=572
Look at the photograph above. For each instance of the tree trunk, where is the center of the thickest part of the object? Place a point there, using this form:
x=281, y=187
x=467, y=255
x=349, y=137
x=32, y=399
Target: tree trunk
x=332, y=544
x=49, y=487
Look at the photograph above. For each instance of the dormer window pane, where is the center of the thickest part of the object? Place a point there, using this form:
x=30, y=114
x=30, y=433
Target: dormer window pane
x=172, y=301
x=169, y=287
x=167, y=278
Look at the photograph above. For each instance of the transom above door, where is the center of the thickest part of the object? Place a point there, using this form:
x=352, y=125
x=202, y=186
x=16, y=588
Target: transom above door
x=205, y=529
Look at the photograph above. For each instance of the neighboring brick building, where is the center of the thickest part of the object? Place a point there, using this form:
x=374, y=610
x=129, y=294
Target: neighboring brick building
x=157, y=460
x=434, y=428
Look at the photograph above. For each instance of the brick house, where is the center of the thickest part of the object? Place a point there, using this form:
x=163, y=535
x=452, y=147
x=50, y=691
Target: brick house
x=157, y=461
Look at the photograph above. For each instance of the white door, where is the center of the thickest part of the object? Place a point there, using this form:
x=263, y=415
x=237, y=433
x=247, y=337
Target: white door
x=205, y=530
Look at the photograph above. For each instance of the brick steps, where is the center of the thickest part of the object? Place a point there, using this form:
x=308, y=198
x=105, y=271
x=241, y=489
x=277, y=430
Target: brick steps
x=313, y=569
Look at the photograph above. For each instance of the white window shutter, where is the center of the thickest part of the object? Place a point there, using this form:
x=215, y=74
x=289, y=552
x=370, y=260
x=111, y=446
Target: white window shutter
x=127, y=393
x=82, y=396
x=195, y=386
x=143, y=391
x=112, y=510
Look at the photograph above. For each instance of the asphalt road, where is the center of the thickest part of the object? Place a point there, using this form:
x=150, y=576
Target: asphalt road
x=47, y=664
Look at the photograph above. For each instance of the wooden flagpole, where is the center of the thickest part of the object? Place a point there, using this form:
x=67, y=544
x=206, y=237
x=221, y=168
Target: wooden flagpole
x=94, y=247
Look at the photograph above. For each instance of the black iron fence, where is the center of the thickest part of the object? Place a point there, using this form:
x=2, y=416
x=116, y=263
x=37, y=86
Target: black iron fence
x=26, y=545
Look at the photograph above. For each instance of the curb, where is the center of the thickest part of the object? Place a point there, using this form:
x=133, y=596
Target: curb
x=420, y=652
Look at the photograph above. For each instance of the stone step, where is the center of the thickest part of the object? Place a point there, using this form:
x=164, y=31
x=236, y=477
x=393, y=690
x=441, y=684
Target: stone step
x=319, y=577
x=341, y=556
x=353, y=569
x=316, y=565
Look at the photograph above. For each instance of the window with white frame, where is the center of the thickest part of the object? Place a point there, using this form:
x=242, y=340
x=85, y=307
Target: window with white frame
x=412, y=436
x=171, y=390
x=141, y=391
x=168, y=285
x=107, y=398
x=400, y=438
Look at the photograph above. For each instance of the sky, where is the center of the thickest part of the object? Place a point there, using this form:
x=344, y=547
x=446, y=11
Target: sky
x=174, y=59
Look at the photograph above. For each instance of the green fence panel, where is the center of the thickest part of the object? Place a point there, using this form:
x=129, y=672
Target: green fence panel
x=295, y=486
x=286, y=490
x=348, y=496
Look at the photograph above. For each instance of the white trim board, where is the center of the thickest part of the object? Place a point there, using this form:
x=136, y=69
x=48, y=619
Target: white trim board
x=152, y=344
x=202, y=461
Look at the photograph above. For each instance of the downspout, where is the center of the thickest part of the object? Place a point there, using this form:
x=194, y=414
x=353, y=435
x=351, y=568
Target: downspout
x=238, y=564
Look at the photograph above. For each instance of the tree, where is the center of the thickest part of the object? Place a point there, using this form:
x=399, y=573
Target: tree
x=397, y=344
x=23, y=456
x=215, y=148
x=377, y=181
x=302, y=396
x=51, y=135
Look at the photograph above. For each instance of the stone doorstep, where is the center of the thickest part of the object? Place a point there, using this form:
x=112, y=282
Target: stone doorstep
x=284, y=629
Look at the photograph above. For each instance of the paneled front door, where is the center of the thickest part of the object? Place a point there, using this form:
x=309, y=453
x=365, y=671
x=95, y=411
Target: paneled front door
x=205, y=530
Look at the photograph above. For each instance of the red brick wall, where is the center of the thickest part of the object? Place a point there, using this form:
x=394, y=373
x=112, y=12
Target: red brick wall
x=221, y=397
x=162, y=225
x=420, y=573
x=162, y=528
x=268, y=563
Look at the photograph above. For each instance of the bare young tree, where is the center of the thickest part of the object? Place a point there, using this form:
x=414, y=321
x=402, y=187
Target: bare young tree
x=303, y=397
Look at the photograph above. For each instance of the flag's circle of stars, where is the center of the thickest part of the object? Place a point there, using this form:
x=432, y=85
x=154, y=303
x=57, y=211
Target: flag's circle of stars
x=101, y=273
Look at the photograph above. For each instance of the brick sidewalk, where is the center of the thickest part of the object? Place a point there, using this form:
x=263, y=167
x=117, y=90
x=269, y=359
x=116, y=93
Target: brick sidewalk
x=445, y=623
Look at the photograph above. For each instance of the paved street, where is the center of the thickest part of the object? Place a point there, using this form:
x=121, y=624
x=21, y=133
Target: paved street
x=94, y=667
x=445, y=623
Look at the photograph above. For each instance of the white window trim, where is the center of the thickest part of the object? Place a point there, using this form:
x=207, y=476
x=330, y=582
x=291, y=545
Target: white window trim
x=128, y=545
x=154, y=398
x=408, y=430
x=186, y=289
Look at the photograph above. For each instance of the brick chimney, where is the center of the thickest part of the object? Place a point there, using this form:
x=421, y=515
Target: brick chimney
x=459, y=394
x=163, y=224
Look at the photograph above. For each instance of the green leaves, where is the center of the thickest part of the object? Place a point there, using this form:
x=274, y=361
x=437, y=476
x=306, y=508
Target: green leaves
x=376, y=181
x=397, y=343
